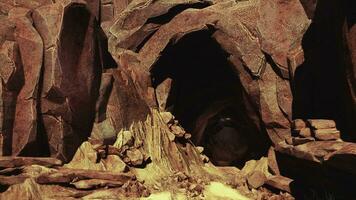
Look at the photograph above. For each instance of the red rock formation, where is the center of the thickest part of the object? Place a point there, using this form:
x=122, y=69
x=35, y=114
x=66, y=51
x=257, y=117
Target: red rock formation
x=129, y=84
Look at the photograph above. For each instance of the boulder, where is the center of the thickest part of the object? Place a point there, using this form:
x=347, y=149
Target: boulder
x=88, y=158
x=298, y=124
x=124, y=138
x=279, y=182
x=321, y=123
x=256, y=179
x=135, y=157
x=304, y=132
x=327, y=134
x=167, y=117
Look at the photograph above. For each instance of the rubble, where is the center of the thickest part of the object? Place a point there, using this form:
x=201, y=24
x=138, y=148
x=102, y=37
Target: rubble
x=327, y=134
x=135, y=157
x=320, y=129
x=317, y=124
x=256, y=179
x=279, y=182
x=304, y=132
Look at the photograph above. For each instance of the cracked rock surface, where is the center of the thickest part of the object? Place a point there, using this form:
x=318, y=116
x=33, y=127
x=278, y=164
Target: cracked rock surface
x=177, y=99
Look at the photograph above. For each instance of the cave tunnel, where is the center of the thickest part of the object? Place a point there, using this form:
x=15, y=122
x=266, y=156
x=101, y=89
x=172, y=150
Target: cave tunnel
x=206, y=97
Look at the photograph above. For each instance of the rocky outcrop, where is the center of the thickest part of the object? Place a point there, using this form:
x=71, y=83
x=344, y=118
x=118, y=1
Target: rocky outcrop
x=124, y=98
x=255, y=53
x=52, y=102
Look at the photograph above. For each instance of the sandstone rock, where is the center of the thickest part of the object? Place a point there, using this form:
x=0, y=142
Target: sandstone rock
x=312, y=151
x=71, y=75
x=35, y=170
x=69, y=175
x=85, y=158
x=10, y=73
x=299, y=124
x=124, y=138
x=29, y=190
x=162, y=92
x=204, y=158
x=11, y=64
x=279, y=55
x=167, y=117
x=120, y=6
x=95, y=183
x=12, y=180
x=304, y=132
x=289, y=141
x=135, y=156
x=125, y=105
x=1, y=144
x=279, y=182
x=243, y=37
x=32, y=4
x=256, y=179
x=200, y=149
x=106, y=85
x=104, y=131
x=56, y=88
x=295, y=59
x=196, y=187
x=187, y=136
x=177, y=131
x=272, y=162
x=8, y=162
x=5, y=7
x=327, y=134
x=299, y=140
x=321, y=123
x=113, y=163
x=253, y=165
x=31, y=50
x=57, y=129
x=107, y=12
x=88, y=158
x=214, y=191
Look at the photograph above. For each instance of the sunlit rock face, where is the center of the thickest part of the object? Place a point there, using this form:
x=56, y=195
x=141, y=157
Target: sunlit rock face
x=126, y=98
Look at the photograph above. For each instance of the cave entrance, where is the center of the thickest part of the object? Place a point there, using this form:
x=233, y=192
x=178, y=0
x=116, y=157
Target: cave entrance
x=206, y=97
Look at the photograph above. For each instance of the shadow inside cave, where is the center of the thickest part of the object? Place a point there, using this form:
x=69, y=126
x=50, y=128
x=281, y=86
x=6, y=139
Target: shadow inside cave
x=206, y=97
x=321, y=88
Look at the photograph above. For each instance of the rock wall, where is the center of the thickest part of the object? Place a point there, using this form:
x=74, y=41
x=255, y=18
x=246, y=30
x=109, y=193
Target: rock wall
x=56, y=64
x=97, y=82
x=264, y=47
x=57, y=76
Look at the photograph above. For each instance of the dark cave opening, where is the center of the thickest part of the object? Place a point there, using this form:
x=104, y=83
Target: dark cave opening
x=321, y=88
x=206, y=97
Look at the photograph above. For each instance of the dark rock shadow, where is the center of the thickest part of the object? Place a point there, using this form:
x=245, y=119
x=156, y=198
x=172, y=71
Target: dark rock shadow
x=321, y=88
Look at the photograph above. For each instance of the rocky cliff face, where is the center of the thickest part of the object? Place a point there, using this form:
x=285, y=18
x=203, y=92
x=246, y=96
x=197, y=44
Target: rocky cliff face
x=145, y=96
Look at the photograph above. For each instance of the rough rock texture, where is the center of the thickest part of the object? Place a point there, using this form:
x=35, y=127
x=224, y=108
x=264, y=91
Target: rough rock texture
x=127, y=98
x=261, y=60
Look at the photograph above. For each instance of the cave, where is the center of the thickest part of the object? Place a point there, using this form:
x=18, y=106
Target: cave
x=206, y=97
x=323, y=84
